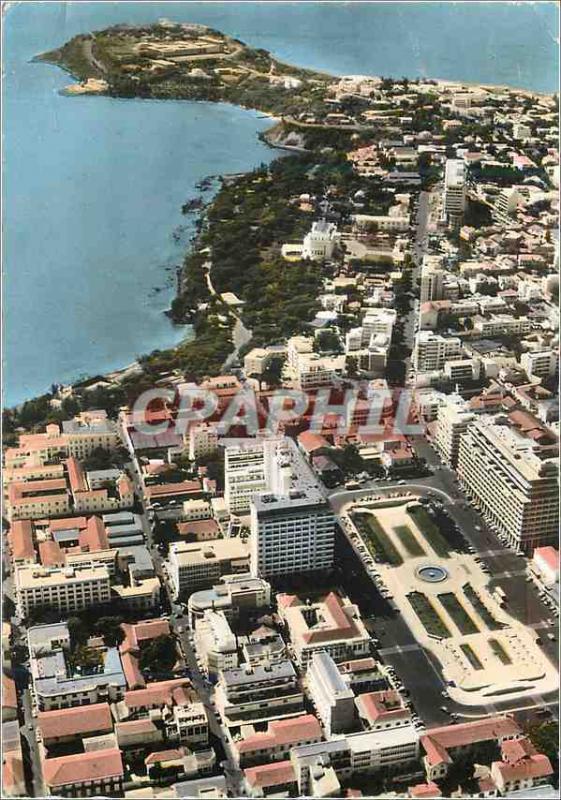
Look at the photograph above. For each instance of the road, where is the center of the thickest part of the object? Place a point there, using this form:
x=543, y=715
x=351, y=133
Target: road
x=219, y=738
x=416, y=667
x=240, y=334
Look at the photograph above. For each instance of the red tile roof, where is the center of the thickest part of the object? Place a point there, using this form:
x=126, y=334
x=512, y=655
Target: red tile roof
x=312, y=441
x=536, y=766
x=13, y=776
x=133, y=675
x=438, y=740
x=155, y=694
x=164, y=755
x=75, y=721
x=550, y=555
x=283, y=732
x=139, y=632
x=67, y=524
x=76, y=475
x=425, y=790
x=514, y=749
x=98, y=765
x=51, y=554
x=163, y=489
x=94, y=537
x=9, y=694
x=270, y=774
x=21, y=539
x=375, y=706
x=200, y=527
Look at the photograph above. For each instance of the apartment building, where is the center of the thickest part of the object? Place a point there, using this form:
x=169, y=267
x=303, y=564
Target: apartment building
x=196, y=565
x=502, y=325
x=505, y=205
x=455, y=189
x=453, y=418
x=215, y=642
x=513, y=486
x=230, y=596
x=67, y=589
x=244, y=475
x=257, y=693
x=432, y=278
x=431, y=351
x=202, y=439
x=332, y=624
x=540, y=363
x=333, y=700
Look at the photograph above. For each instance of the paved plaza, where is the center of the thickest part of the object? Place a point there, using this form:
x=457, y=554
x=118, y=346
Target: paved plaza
x=444, y=596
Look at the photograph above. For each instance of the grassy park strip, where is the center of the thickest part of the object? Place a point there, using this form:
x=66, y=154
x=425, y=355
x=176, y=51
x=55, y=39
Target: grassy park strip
x=409, y=541
x=500, y=651
x=481, y=608
x=430, y=531
x=428, y=615
x=377, y=540
x=458, y=613
x=471, y=656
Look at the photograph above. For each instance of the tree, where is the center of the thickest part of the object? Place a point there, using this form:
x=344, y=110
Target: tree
x=110, y=629
x=328, y=341
x=351, y=365
x=159, y=654
x=79, y=632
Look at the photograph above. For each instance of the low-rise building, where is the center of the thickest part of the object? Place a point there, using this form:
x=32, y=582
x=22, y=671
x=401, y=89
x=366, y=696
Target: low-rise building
x=66, y=589
x=196, y=565
x=216, y=643
x=332, y=624
x=251, y=694
x=93, y=774
x=233, y=594
x=276, y=743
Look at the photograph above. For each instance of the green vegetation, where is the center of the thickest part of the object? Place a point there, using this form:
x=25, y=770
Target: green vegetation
x=545, y=738
x=500, y=651
x=159, y=654
x=376, y=539
x=85, y=660
x=481, y=608
x=471, y=656
x=458, y=613
x=428, y=615
x=430, y=531
x=409, y=540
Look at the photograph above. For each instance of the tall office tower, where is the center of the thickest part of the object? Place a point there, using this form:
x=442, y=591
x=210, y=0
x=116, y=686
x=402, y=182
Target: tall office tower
x=455, y=189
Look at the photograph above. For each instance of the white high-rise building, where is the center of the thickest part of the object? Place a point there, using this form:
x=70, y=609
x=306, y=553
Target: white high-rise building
x=431, y=351
x=540, y=363
x=334, y=702
x=244, y=474
x=432, y=279
x=453, y=419
x=515, y=489
x=455, y=190
x=292, y=526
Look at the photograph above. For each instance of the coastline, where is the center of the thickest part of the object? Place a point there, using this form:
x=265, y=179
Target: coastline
x=96, y=88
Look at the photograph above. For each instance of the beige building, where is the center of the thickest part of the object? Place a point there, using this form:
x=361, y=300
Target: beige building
x=453, y=419
x=202, y=440
x=201, y=564
x=515, y=489
x=68, y=589
x=215, y=642
x=332, y=624
x=431, y=351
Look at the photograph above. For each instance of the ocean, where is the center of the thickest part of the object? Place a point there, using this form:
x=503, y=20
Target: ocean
x=93, y=186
